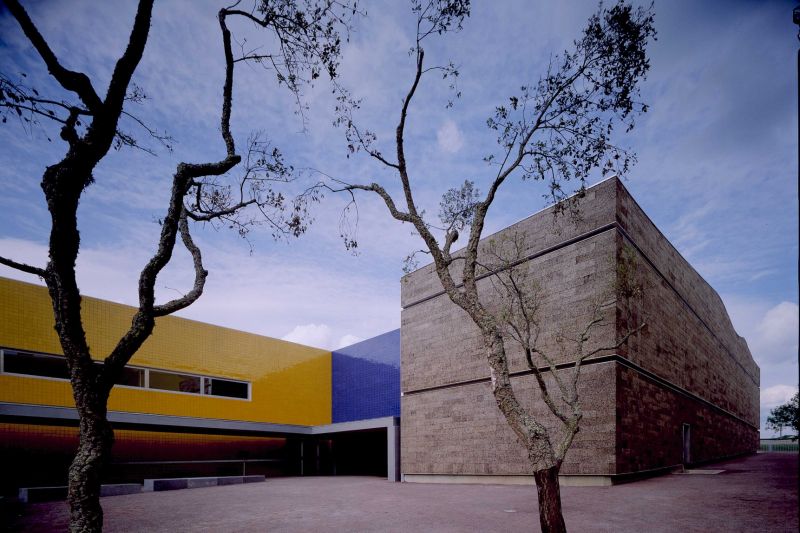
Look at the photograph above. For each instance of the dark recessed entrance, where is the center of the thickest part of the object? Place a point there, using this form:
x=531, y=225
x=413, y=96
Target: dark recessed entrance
x=348, y=453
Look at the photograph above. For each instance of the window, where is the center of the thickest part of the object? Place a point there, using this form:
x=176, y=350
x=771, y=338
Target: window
x=227, y=388
x=130, y=377
x=34, y=364
x=55, y=366
x=174, y=382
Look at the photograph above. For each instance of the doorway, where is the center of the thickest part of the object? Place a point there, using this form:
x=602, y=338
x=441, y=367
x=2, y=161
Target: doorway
x=687, y=444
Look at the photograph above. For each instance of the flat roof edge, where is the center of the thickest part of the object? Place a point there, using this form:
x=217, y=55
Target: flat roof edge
x=122, y=417
x=51, y=412
x=356, y=425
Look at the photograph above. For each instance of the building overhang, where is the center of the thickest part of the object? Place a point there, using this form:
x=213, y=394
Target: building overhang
x=46, y=413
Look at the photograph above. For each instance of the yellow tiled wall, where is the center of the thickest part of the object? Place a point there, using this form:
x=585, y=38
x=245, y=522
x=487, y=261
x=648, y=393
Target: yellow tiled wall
x=290, y=383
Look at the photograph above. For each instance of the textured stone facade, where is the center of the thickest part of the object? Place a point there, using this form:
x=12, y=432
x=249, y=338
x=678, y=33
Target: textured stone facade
x=687, y=367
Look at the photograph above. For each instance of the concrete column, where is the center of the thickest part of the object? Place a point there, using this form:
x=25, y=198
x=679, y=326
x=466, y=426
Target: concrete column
x=393, y=450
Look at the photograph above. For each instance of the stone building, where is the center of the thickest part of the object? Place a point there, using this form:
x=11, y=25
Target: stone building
x=683, y=390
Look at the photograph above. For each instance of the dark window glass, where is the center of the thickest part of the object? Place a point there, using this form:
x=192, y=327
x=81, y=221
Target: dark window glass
x=227, y=388
x=131, y=377
x=48, y=366
x=55, y=366
x=174, y=382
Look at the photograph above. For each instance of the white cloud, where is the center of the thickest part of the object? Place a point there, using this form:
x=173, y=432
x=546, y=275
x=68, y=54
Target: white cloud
x=767, y=328
x=318, y=335
x=449, y=137
x=688, y=233
x=775, y=336
x=348, y=340
x=779, y=331
x=771, y=332
x=777, y=395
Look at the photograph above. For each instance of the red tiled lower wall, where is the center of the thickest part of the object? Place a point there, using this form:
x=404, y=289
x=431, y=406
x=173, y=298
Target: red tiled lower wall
x=32, y=454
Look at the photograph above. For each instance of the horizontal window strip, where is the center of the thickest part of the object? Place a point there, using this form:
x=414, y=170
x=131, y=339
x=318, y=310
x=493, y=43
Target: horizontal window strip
x=50, y=366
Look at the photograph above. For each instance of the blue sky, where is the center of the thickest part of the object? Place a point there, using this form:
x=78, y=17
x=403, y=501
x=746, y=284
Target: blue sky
x=717, y=156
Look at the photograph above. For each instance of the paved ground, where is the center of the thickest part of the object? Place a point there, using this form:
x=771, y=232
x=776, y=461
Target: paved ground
x=757, y=493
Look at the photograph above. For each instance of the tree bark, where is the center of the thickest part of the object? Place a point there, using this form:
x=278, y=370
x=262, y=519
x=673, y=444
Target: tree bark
x=531, y=434
x=96, y=440
x=549, y=492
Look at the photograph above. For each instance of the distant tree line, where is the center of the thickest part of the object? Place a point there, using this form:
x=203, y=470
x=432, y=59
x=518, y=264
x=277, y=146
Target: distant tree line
x=785, y=416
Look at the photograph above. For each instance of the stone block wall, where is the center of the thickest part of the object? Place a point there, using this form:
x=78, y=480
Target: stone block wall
x=649, y=423
x=459, y=430
x=450, y=422
x=689, y=362
x=542, y=232
x=705, y=374
x=441, y=345
x=691, y=341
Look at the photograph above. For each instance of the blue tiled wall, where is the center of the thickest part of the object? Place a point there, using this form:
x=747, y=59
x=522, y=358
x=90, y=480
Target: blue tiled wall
x=366, y=379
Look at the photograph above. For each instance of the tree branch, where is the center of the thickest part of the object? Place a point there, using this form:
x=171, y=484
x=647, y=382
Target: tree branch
x=442, y=264
x=380, y=191
x=77, y=82
x=200, y=274
x=36, y=271
x=401, y=156
x=482, y=209
x=209, y=216
x=545, y=392
x=617, y=345
x=227, y=88
x=127, y=63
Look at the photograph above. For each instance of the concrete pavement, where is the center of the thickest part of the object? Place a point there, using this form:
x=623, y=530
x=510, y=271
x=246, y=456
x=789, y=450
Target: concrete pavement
x=756, y=493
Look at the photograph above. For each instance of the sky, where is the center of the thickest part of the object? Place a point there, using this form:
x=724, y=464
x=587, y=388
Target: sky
x=716, y=170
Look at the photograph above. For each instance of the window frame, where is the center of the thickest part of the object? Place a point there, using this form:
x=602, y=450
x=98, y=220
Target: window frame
x=3, y=370
x=146, y=381
x=176, y=373
x=204, y=379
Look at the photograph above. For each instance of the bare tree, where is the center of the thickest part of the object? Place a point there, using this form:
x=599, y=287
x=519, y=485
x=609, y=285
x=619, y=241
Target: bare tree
x=519, y=298
x=556, y=130
x=306, y=39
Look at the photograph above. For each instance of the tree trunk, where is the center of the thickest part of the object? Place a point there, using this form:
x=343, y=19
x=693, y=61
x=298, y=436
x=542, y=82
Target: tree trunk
x=549, y=492
x=530, y=433
x=96, y=439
